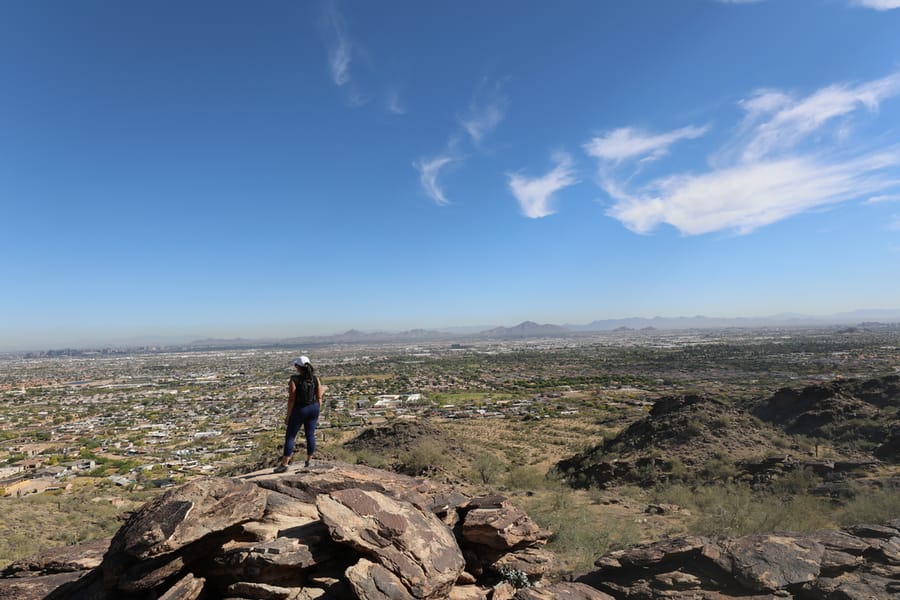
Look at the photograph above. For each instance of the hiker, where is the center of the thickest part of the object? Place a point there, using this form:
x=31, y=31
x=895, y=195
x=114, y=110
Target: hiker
x=304, y=399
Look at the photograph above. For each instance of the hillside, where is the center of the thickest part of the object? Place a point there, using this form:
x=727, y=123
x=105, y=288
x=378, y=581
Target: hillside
x=851, y=413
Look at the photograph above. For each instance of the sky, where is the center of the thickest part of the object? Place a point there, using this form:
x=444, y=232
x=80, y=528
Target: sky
x=282, y=168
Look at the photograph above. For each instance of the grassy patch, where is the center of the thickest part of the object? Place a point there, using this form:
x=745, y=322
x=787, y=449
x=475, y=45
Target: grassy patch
x=35, y=523
x=581, y=531
x=736, y=509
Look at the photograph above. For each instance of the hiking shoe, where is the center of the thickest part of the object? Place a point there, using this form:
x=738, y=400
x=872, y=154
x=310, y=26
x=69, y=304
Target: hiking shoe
x=306, y=464
x=280, y=469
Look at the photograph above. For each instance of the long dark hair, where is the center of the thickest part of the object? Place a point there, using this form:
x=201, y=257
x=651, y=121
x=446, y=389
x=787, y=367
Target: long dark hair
x=306, y=371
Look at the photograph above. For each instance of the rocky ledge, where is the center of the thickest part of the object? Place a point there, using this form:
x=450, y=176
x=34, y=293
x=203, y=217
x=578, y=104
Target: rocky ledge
x=856, y=563
x=341, y=531
x=333, y=531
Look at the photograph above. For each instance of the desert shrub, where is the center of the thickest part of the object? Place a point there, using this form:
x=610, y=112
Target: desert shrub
x=720, y=423
x=423, y=457
x=693, y=428
x=780, y=442
x=35, y=523
x=796, y=481
x=719, y=468
x=737, y=509
x=369, y=458
x=870, y=506
x=487, y=467
x=646, y=472
x=678, y=494
x=806, y=444
x=526, y=478
x=579, y=535
x=515, y=577
x=677, y=470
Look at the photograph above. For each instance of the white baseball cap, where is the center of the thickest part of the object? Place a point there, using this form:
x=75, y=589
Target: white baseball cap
x=301, y=361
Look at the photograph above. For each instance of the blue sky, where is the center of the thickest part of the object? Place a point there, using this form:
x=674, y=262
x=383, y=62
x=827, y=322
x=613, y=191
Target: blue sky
x=287, y=168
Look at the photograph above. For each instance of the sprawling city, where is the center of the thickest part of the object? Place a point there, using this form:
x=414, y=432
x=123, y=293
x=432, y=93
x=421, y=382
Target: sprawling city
x=99, y=432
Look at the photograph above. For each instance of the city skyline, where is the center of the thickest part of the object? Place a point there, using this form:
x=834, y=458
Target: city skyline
x=296, y=169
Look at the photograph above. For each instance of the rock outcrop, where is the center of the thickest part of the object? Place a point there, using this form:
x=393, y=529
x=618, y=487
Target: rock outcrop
x=861, y=562
x=844, y=411
x=334, y=531
x=341, y=531
x=674, y=443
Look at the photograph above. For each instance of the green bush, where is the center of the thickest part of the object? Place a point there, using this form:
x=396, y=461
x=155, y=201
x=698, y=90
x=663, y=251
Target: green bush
x=487, y=467
x=870, y=506
x=368, y=458
x=736, y=509
x=796, y=481
x=423, y=457
x=578, y=534
x=527, y=479
x=719, y=468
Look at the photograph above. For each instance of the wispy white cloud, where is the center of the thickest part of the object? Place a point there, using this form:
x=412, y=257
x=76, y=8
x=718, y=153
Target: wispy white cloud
x=883, y=198
x=429, y=170
x=628, y=143
x=746, y=197
x=394, y=103
x=485, y=112
x=338, y=42
x=878, y=4
x=772, y=168
x=535, y=196
x=776, y=122
x=894, y=223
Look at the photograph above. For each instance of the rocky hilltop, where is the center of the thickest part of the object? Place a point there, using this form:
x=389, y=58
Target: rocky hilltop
x=332, y=531
x=862, y=413
x=696, y=438
x=346, y=531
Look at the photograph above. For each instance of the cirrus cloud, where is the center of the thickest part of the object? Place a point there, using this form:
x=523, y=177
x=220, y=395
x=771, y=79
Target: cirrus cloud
x=626, y=143
x=789, y=155
x=878, y=4
x=429, y=170
x=535, y=195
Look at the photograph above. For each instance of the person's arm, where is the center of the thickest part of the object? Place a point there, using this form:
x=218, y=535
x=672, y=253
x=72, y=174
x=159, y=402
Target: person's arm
x=292, y=397
x=320, y=391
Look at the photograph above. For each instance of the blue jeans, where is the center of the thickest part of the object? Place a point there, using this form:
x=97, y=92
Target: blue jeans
x=308, y=417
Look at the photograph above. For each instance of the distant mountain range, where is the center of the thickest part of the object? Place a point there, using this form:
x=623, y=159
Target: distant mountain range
x=782, y=320
x=530, y=329
x=526, y=329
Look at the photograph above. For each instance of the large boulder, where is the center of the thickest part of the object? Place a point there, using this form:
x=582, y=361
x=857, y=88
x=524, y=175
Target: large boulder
x=767, y=563
x=412, y=544
x=501, y=526
x=187, y=514
x=309, y=485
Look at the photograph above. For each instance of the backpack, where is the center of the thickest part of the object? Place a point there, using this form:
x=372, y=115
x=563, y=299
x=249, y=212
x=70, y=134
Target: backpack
x=306, y=388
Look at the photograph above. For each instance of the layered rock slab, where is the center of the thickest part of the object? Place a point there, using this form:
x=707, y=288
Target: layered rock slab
x=856, y=562
x=413, y=545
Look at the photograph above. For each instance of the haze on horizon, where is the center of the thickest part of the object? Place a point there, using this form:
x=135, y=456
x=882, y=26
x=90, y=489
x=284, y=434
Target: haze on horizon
x=289, y=169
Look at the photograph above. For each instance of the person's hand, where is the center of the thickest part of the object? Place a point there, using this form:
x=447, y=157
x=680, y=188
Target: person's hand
x=286, y=420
